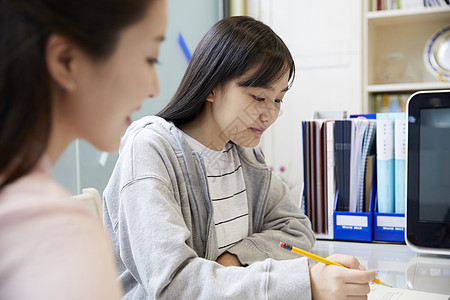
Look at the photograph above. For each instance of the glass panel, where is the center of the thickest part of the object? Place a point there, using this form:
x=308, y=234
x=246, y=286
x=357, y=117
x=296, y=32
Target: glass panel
x=190, y=18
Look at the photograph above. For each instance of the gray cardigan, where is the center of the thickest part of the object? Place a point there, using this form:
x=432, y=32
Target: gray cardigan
x=159, y=215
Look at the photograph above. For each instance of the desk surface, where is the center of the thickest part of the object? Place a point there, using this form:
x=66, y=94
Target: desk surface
x=396, y=264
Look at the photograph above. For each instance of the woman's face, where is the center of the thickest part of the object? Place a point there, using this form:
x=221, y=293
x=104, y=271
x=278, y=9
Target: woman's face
x=242, y=114
x=109, y=91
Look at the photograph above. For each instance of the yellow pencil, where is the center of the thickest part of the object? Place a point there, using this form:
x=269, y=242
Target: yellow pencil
x=321, y=259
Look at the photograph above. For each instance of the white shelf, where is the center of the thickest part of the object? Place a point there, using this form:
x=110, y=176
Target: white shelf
x=425, y=14
x=407, y=87
x=405, y=32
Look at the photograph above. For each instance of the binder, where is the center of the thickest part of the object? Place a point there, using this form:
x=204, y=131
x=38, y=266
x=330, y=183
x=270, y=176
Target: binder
x=367, y=167
x=354, y=226
x=359, y=127
x=400, y=161
x=313, y=176
x=347, y=153
x=306, y=168
x=320, y=185
x=385, y=162
x=367, y=157
x=312, y=173
x=330, y=174
x=342, y=135
x=338, y=146
x=357, y=226
x=388, y=227
x=370, y=174
x=317, y=205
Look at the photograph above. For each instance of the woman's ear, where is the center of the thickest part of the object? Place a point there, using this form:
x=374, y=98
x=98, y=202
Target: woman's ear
x=210, y=97
x=60, y=54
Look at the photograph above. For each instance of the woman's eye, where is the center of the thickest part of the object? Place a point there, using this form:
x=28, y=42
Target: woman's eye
x=152, y=61
x=278, y=100
x=259, y=99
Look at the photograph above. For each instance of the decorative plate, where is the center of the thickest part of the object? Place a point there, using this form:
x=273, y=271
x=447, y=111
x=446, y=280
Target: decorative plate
x=436, y=54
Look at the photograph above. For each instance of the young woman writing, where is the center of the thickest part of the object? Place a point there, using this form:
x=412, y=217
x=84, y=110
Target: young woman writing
x=193, y=210
x=68, y=69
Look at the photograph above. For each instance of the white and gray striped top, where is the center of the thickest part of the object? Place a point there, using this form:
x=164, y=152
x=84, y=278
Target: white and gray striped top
x=227, y=192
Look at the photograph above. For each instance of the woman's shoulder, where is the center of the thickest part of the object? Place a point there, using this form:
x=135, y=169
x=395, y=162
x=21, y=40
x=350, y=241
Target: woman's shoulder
x=42, y=228
x=150, y=133
x=151, y=147
x=34, y=199
x=252, y=156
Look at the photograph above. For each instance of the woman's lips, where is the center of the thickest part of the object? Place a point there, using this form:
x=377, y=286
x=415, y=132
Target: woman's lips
x=257, y=131
x=128, y=121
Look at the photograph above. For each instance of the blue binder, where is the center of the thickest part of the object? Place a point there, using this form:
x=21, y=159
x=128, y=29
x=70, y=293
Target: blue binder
x=388, y=227
x=354, y=226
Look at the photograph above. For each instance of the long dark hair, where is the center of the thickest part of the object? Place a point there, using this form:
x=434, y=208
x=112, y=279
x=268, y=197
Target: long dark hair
x=229, y=49
x=25, y=101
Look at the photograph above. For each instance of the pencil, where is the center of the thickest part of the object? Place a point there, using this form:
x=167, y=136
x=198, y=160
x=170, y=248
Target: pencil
x=321, y=259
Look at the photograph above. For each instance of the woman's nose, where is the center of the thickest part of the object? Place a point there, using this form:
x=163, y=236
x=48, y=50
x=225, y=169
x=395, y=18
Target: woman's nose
x=154, y=86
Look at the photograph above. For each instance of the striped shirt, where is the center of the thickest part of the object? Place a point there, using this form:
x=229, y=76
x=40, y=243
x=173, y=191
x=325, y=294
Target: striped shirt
x=227, y=192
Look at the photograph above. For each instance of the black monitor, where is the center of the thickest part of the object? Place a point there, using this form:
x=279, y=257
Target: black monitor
x=428, y=173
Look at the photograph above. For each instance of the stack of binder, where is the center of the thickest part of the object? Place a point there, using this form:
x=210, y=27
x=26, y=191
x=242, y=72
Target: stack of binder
x=347, y=195
x=315, y=186
x=389, y=217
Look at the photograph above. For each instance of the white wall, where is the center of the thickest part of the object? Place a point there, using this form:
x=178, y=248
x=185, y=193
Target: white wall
x=325, y=38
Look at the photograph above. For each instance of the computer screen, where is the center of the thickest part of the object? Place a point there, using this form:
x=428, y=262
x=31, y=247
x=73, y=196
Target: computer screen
x=428, y=172
x=434, y=165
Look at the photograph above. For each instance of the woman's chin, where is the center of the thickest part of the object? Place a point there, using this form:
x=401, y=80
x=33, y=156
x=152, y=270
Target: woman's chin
x=107, y=145
x=250, y=143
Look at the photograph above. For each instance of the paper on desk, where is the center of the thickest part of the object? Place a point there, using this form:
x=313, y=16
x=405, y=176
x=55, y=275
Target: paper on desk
x=386, y=293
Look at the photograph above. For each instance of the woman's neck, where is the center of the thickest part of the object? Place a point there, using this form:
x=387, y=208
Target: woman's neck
x=205, y=130
x=61, y=135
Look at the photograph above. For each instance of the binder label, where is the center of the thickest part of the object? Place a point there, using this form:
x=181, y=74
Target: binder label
x=400, y=139
x=344, y=221
x=385, y=138
x=385, y=221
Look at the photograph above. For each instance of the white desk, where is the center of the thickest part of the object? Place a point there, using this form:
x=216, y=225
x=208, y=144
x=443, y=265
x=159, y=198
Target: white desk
x=397, y=265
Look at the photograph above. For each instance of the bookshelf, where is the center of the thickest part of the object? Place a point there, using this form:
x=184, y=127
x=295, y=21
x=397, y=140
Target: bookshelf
x=393, y=47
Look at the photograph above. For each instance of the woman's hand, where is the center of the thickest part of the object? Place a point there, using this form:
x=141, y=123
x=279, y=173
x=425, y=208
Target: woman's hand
x=334, y=282
x=228, y=259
